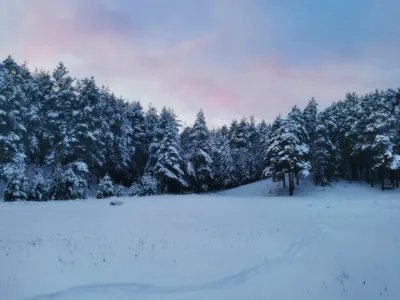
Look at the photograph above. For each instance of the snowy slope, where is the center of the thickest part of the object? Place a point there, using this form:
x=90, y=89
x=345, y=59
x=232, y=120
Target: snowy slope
x=337, y=243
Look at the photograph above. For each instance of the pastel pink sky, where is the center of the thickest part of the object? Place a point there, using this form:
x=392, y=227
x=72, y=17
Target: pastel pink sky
x=231, y=58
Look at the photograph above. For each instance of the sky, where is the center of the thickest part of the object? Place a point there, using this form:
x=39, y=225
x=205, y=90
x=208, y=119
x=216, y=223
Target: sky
x=232, y=58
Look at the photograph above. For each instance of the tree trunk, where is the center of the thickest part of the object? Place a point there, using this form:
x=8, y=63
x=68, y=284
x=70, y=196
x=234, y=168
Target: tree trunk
x=284, y=180
x=291, y=186
x=297, y=178
x=392, y=178
x=367, y=174
x=372, y=178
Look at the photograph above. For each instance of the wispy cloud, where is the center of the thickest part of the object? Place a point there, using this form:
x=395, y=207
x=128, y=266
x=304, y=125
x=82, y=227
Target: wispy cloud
x=231, y=58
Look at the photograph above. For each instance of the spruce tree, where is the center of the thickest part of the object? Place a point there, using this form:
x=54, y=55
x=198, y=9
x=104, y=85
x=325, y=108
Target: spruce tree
x=87, y=141
x=16, y=188
x=223, y=165
x=60, y=105
x=169, y=164
x=37, y=186
x=200, y=153
x=12, y=128
x=106, y=188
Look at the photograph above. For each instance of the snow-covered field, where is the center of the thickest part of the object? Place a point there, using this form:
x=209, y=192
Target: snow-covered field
x=332, y=243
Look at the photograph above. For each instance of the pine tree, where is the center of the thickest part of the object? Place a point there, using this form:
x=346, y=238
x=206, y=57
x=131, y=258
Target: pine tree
x=106, y=188
x=200, y=153
x=270, y=151
x=87, y=141
x=73, y=186
x=139, y=140
x=70, y=184
x=254, y=148
x=12, y=128
x=169, y=163
x=296, y=120
x=151, y=121
x=223, y=165
x=38, y=145
x=16, y=188
x=285, y=152
x=186, y=142
x=240, y=146
x=37, y=188
x=118, y=140
x=59, y=108
x=119, y=190
x=262, y=137
x=147, y=186
x=310, y=118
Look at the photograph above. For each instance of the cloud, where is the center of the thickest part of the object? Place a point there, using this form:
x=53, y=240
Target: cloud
x=231, y=58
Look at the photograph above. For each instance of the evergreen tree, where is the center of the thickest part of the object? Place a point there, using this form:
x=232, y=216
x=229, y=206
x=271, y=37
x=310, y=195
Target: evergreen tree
x=310, y=118
x=254, y=148
x=147, y=186
x=297, y=125
x=12, y=128
x=118, y=140
x=16, y=188
x=151, y=121
x=87, y=141
x=59, y=108
x=262, y=137
x=240, y=146
x=186, y=142
x=106, y=188
x=169, y=164
x=70, y=184
x=326, y=157
x=200, y=153
x=223, y=165
x=139, y=140
x=37, y=188
x=38, y=145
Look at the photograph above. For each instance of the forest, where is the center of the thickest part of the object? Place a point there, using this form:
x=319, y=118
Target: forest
x=84, y=133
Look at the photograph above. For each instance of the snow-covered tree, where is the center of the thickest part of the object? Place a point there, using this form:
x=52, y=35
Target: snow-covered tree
x=12, y=128
x=118, y=140
x=70, y=184
x=16, y=188
x=147, y=186
x=87, y=141
x=139, y=140
x=37, y=186
x=119, y=190
x=59, y=106
x=285, y=150
x=326, y=158
x=200, y=153
x=262, y=137
x=38, y=144
x=152, y=119
x=169, y=164
x=310, y=117
x=105, y=188
x=241, y=153
x=296, y=124
x=223, y=165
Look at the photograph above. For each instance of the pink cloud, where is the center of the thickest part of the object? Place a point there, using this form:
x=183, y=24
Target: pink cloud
x=183, y=75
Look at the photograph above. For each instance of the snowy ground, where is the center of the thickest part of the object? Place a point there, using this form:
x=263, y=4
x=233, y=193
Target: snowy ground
x=333, y=243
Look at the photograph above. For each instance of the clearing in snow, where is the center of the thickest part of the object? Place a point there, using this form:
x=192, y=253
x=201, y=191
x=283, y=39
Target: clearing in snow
x=332, y=243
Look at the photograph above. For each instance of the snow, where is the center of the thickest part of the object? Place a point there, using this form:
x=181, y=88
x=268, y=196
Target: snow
x=338, y=242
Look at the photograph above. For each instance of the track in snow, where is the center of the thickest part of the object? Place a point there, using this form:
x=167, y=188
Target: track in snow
x=233, y=279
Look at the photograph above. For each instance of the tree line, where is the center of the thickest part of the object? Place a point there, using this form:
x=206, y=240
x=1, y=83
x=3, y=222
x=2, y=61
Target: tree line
x=83, y=131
